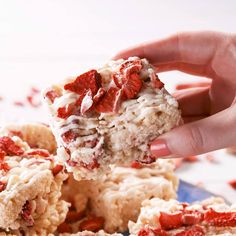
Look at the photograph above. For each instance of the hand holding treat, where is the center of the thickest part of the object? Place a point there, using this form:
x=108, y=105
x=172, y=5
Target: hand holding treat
x=212, y=108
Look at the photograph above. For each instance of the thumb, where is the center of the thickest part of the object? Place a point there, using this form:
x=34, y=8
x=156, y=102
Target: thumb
x=212, y=133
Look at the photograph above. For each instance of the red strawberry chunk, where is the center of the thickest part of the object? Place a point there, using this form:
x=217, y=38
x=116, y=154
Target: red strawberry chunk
x=4, y=166
x=110, y=101
x=38, y=152
x=87, y=102
x=2, y=155
x=220, y=219
x=101, y=92
x=2, y=186
x=26, y=213
x=170, y=221
x=232, y=183
x=136, y=165
x=90, y=166
x=73, y=216
x=192, y=217
x=89, y=80
x=193, y=231
x=9, y=147
x=94, y=224
x=69, y=136
x=191, y=159
x=156, y=83
x=66, y=111
x=57, y=169
x=51, y=95
x=152, y=232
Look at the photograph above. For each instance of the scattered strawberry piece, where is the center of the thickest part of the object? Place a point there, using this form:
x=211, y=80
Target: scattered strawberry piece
x=2, y=155
x=26, y=213
x=100, y=93
x=232, y=183
x=220, y=219
x=73, y=216
x=136, y=165
x=4, y=166
x=64, y=228
x=191, y=217
x=191, y=159
x=156, y=83
x=87, y=102
x=66, y=111
x=9, y=147
x=89, y=80
x=170, y=221
x=90, y=166
x=152, y=232
x=90, y=143
x=38, y=152
x=69, y=136
x=109, y=101
x=19, y=104
x=57, y=169
x=3, y=186
x=148, y=159
x=92, y=224
x=193, y=231
x=51, y=95
x=132, y=86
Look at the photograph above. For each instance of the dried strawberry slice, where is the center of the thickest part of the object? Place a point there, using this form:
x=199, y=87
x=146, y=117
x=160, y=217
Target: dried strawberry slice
x=38, y=152
x=2, y=186
x=26, y=213
x=152, y=232
x=94, y=224
x=110, y=101
x=136, y=165
x=69, y=136
x=4, y=166
x=90, y=166
x=89, y=80
x=51, y=95
x=73, y=216
x=66, y=111
x=100, y=93
x=57, y=169
x=220, y=219
x=64, y=228
x=9, y=147
x=2, y=155
x=170, y=221
x=232, y=183
x=156, y=83
x=193, y=231
x=132, y=86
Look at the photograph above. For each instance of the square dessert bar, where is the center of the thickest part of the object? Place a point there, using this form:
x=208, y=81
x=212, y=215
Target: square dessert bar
x=30, y=182
x=172, y=218
x=110, y=116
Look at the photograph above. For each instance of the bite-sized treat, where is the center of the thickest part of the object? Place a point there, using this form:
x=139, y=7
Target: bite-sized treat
x=118, y=197
x=30, y=183
x=172, y=218
x=89, y=233
x=109, y=116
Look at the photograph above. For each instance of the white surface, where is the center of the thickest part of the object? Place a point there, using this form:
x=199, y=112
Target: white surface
x=42, y=42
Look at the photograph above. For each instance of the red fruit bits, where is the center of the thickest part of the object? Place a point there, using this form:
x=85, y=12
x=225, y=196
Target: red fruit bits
x=9, y=147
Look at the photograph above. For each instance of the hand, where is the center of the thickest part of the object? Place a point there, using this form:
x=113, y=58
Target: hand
x=210, y=109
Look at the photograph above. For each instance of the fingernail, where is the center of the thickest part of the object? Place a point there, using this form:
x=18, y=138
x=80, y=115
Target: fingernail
x=159, y=148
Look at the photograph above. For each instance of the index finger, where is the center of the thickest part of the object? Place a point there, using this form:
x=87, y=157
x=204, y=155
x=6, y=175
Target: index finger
x=189, y=52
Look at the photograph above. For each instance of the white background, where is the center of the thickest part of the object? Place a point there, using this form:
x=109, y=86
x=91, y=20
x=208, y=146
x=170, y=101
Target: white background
x=44, y=41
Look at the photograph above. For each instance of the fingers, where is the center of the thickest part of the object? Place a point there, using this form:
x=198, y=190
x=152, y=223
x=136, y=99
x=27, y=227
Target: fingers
x=187, y=52
x=193, y=101
x=212, y=133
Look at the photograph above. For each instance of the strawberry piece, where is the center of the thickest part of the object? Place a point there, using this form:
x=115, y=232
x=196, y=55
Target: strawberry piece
x=51, y=95
x=220, y=219
x=87, y=102
x=136, y=165
x=232, y=183
x=73, y=216
x=66, y=111
x=93, y=224
x=3, y=186
x=89, y=80
x=2, y=155
x=57, y=169
x=69, y=136
x=132, y=86
x=4, y=166
x=191, y=217
x=156, y=83
x=191, y=159
x=38, y=152
x=26, y=213
x=64, y=228
x=170, y=221
x=90, y=166
x=110, y=101
x=152, y=232
x=148, y=159
x=9, y=147
x=193, y=231
x=100, y=93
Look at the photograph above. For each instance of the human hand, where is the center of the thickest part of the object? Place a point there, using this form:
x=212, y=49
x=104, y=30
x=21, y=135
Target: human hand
x=209, y=110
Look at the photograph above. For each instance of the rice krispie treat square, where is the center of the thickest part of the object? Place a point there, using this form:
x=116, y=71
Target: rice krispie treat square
x=172, y=218
x=118, y=197
x=30, y=182
x=109, y=116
